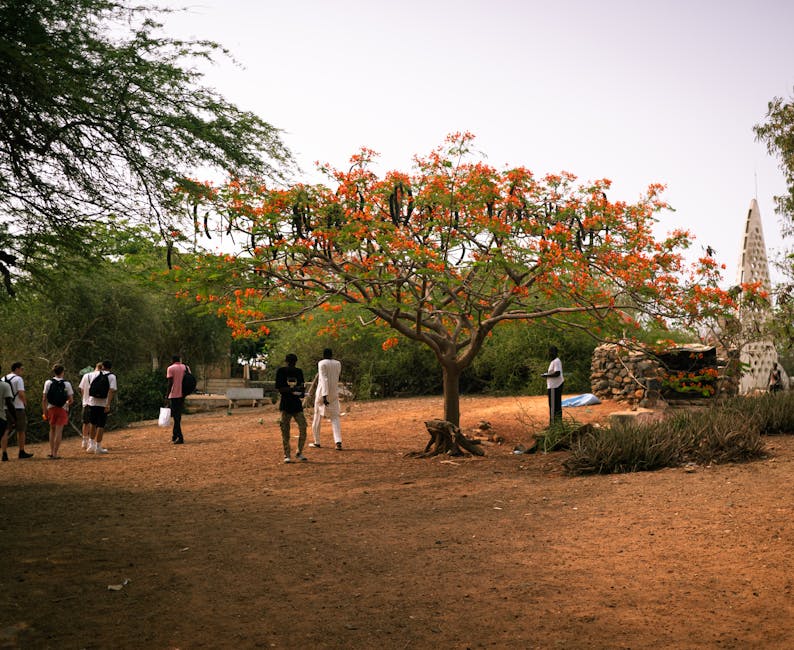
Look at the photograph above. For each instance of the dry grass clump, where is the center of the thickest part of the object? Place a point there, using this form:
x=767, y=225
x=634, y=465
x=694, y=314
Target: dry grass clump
x=727, y=431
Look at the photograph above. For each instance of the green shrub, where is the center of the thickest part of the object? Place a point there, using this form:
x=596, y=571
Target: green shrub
x=773, y=413
x=717, y=434
x=624, y=449
x=140, y=396
x=560, y=435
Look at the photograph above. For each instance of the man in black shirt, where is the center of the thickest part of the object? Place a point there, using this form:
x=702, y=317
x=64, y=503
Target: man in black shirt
x=289, y=383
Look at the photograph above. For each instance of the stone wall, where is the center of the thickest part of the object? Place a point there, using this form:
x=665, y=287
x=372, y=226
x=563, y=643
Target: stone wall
x=619, y=374
x=630, y=376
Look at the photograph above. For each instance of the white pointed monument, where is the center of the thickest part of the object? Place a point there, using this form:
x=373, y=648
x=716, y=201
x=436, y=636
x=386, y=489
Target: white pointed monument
x=754, y=266
x=758, y=356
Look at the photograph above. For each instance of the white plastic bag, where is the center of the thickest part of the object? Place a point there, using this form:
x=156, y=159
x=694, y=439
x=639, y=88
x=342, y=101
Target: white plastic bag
x=165, y=416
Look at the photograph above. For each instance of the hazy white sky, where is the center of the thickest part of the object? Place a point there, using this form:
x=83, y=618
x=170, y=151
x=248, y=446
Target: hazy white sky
x=634, y=91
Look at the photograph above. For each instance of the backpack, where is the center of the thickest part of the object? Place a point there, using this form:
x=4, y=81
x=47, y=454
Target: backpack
x=56, y=393
x=7, y=379
x=188, y=383
x=100, y=385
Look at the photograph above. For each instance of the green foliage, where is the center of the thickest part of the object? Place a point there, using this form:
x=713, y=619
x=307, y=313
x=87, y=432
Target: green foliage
x=141, y=394
x=719, y=436
x=558, y=436
x=777, y=131
x=771, y=413
x=101, y=115
x=624, y=449
x=699, y=383
x=408, y=368
x=199, y=337
x=515, y=355
x=726, y=431
x=78, y=313
x=510, y=362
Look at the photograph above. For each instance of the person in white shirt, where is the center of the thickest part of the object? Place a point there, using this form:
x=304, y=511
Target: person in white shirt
x=84, y=386
x=100, y=407
x=554, y=382
x=58, y=413
x=8, y=418
x=14, y=378
x=326, y=398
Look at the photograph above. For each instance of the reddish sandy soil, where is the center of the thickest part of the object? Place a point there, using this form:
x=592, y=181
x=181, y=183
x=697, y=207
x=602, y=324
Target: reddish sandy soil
x=218, y=544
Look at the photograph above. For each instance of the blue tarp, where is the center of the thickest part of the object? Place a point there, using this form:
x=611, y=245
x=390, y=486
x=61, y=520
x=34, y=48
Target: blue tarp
x=581, y=400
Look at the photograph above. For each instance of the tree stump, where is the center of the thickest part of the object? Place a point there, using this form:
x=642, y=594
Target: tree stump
x=446, y=438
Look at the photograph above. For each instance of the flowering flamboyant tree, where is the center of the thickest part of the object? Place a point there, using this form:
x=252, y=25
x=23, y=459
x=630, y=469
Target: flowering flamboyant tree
x=445, y=254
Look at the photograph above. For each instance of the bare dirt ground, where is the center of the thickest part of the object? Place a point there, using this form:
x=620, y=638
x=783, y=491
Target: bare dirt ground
x=218, y=544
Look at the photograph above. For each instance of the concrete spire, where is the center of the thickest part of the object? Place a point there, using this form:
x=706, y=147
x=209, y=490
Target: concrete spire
x=758, y=356
x=753, y=263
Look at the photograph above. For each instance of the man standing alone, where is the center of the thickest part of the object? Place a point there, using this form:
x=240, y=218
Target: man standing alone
x=554, y=382
x=326, y=399
x=176, y=375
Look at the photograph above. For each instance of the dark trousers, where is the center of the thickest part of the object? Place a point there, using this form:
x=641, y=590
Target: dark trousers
x=555, y=404
x=177, y=403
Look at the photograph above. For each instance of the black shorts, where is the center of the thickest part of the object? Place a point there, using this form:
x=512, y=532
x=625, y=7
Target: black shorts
x=86, y=414
x=98, y=416
x=22, y=420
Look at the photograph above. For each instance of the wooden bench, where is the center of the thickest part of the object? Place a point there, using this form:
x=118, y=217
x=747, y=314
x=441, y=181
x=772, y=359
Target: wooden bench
x=254, y=394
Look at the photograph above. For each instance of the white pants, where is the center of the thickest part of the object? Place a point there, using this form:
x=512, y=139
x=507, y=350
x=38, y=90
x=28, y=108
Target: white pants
x=336, y=424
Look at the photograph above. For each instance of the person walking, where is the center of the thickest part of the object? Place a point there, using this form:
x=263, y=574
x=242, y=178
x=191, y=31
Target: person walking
x=326, y=398
x=102, y=386
x=83, y=387
x=291, y=387
x=176, y=375
x=7, y=414
x=554, y=383
x=20, y=420
x=56, y=399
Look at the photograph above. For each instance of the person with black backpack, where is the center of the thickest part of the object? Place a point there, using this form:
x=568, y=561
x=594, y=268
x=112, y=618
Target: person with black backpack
x=181, y=383
x=8, y=418
x=20, y=420
x=102, y=386
x=56, y=399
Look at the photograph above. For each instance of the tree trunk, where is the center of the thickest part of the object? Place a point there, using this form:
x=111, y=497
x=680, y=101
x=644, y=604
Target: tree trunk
x=447, y=438
x=451, y=373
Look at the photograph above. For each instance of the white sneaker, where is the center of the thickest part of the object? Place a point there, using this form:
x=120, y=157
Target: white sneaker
x=287, y=459
x=84, y=443
x=314, y=445
x=301, y=458
x=99, y=449
x=90, y=446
